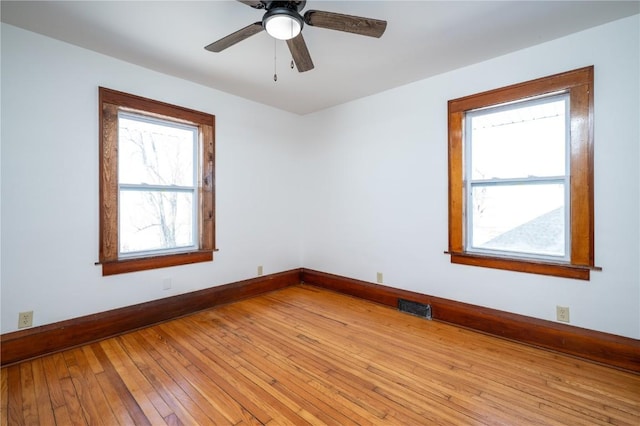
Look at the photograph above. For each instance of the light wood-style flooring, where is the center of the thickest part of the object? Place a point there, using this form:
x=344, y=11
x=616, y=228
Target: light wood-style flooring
x=303, y=355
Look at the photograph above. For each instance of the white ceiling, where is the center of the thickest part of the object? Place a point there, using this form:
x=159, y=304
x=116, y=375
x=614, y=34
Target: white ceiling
x=423, y=38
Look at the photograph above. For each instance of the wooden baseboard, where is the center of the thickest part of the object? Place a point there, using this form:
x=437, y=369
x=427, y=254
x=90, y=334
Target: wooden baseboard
x=612, y=350
x=609, y=349
x=24, y=344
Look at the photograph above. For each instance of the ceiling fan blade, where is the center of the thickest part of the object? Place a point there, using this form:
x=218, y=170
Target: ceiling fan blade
x=233, y=38
x=300, y=53
x=347, y=23
x=256, y=4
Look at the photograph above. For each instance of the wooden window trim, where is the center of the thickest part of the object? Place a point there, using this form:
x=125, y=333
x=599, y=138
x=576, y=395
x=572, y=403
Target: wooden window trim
x=579, y=84
x=110, y=102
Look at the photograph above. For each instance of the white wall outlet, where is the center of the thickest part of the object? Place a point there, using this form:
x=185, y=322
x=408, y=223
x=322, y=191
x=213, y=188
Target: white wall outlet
x=166, y=283
x=379, y=278
x=25, y=319
x=562, y=313
x=260, y=270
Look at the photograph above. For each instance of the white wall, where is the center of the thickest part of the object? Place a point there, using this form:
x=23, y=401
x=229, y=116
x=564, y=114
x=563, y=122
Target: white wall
x=50, y=183
x=371, y=176
x=376, y=193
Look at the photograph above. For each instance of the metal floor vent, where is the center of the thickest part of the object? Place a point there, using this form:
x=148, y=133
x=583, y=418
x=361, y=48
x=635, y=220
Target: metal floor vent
x=415, y=308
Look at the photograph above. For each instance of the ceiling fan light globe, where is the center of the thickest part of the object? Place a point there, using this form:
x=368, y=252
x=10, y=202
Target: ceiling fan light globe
x=282, y=24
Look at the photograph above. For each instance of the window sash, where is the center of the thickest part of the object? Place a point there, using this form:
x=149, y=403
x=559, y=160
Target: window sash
x=470, y=247
x=162, y=189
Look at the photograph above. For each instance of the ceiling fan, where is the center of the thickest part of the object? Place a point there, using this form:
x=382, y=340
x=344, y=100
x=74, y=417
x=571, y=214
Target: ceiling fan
x=282, y=20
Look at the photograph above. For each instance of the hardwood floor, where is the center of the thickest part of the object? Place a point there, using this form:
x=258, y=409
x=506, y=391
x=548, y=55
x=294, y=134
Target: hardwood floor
x=302, y=355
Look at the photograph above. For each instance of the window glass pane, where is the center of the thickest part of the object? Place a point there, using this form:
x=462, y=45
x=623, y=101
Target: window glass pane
x=155, y=152
x=155, y=220
x=519, y=218
x=520, y=140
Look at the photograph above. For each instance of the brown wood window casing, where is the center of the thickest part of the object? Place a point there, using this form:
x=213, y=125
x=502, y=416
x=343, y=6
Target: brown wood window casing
x=579, y=86
x=110, y=103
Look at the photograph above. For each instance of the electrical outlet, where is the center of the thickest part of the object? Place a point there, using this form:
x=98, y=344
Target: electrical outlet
x=379, y=278
x=25, y=319
x=166, y=283
x=562, y=313
x=259, y=270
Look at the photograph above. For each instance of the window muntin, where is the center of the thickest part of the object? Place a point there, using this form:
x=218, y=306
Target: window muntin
x=157, y=176
x=579, y=206
x=191, y=194
x=517, y=179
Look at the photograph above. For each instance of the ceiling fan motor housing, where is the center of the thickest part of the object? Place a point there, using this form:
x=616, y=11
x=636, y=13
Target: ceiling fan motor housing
x=294, y=5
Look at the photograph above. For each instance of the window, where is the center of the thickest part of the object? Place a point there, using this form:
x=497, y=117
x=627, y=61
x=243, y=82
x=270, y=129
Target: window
x=521, y=177
x=156, y=184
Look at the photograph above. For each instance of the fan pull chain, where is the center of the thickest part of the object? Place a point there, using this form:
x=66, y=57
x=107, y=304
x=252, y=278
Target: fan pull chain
x=291, y=37
x=275, y=73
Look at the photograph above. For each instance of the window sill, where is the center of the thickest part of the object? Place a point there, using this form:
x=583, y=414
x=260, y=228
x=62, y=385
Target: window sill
x=123, y=266
x=530, y=266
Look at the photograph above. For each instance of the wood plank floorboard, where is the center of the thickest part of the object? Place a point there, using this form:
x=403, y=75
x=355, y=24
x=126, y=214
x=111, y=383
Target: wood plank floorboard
x=303, y=355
